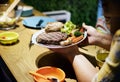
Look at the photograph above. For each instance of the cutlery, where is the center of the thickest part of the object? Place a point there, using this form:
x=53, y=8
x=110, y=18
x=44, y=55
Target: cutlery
x=38, y=25
x=37, y=74
x=10, y=8
x=31, y=43
x=44, y=77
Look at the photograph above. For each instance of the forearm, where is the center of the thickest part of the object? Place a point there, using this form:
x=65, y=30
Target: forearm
x=103, y=40
x=84, y=70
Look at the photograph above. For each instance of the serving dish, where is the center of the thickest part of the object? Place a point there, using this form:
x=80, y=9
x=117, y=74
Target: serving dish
x=101, y=56
x=49, y=73
x=34, y=37
x=8, y=37
x=7, y=23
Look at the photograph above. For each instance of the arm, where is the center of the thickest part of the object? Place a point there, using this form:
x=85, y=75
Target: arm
x=84, y=70
x=103, y=40
x=97, y=38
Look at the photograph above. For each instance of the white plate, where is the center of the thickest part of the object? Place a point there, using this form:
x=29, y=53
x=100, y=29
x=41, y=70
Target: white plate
x=34, y=37
x=31, y=22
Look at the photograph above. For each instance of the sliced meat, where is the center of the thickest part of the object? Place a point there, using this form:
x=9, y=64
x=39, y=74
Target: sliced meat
x=51, y=38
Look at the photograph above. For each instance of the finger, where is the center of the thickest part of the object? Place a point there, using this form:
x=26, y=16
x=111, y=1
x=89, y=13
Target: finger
x=85, y=26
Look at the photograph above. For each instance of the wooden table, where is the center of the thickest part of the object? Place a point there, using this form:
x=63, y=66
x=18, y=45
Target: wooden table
x=20, y=59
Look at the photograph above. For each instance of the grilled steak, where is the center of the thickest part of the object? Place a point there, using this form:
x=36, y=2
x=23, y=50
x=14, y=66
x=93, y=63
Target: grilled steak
x=51, y=38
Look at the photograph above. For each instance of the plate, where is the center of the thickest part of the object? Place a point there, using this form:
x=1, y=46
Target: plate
x=31, y=22
x=34, y=37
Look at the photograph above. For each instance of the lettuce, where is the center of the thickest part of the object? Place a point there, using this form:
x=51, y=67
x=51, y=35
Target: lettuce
x=68, y=27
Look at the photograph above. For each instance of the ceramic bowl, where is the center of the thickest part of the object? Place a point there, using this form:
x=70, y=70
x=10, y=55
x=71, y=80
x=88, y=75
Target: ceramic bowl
x=101, y=56
x=8, y=37
x=27, y=10
x=52, y=72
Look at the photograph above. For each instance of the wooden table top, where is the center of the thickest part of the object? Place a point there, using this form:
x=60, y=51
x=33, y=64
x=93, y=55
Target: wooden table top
x=20, y=59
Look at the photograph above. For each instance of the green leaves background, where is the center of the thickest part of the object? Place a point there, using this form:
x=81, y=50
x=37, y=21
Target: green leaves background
x=81, y=10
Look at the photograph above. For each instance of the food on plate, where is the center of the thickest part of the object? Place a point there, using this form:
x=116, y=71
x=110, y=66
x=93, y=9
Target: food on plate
x=77, y=33
x=57, y=33
x=71, y=40
x=67, y=41
x=76, y=39
x=7, y=22
x=53, y=26
x=51, y=37
x=68, y=27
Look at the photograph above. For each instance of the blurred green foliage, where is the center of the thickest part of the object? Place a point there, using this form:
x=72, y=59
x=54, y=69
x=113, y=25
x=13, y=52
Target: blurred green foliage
x=81, y=10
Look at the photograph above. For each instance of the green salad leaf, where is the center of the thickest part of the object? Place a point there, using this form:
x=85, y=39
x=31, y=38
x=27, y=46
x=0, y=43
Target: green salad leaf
x=68, y=27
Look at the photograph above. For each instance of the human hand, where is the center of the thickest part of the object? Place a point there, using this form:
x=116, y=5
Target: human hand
x=92, y=34
x=68, y=52
x=97, y=38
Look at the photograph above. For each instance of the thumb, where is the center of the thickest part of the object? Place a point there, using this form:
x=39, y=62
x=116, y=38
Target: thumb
x=84, y=25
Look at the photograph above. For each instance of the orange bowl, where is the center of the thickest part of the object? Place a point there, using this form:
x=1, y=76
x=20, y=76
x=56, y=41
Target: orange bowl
x=51, y=72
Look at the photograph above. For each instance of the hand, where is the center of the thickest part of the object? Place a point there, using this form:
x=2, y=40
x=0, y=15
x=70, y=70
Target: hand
x=68, y=52
x=92, y=34
x=96, y=38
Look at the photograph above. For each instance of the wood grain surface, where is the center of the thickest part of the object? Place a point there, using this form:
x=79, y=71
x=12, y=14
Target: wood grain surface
x=21, y=59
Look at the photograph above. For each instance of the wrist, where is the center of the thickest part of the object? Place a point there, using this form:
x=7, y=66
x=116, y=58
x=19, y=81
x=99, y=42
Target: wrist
x=98, y=38
x=103, y=40
x=73, y=57
x=73, y=54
